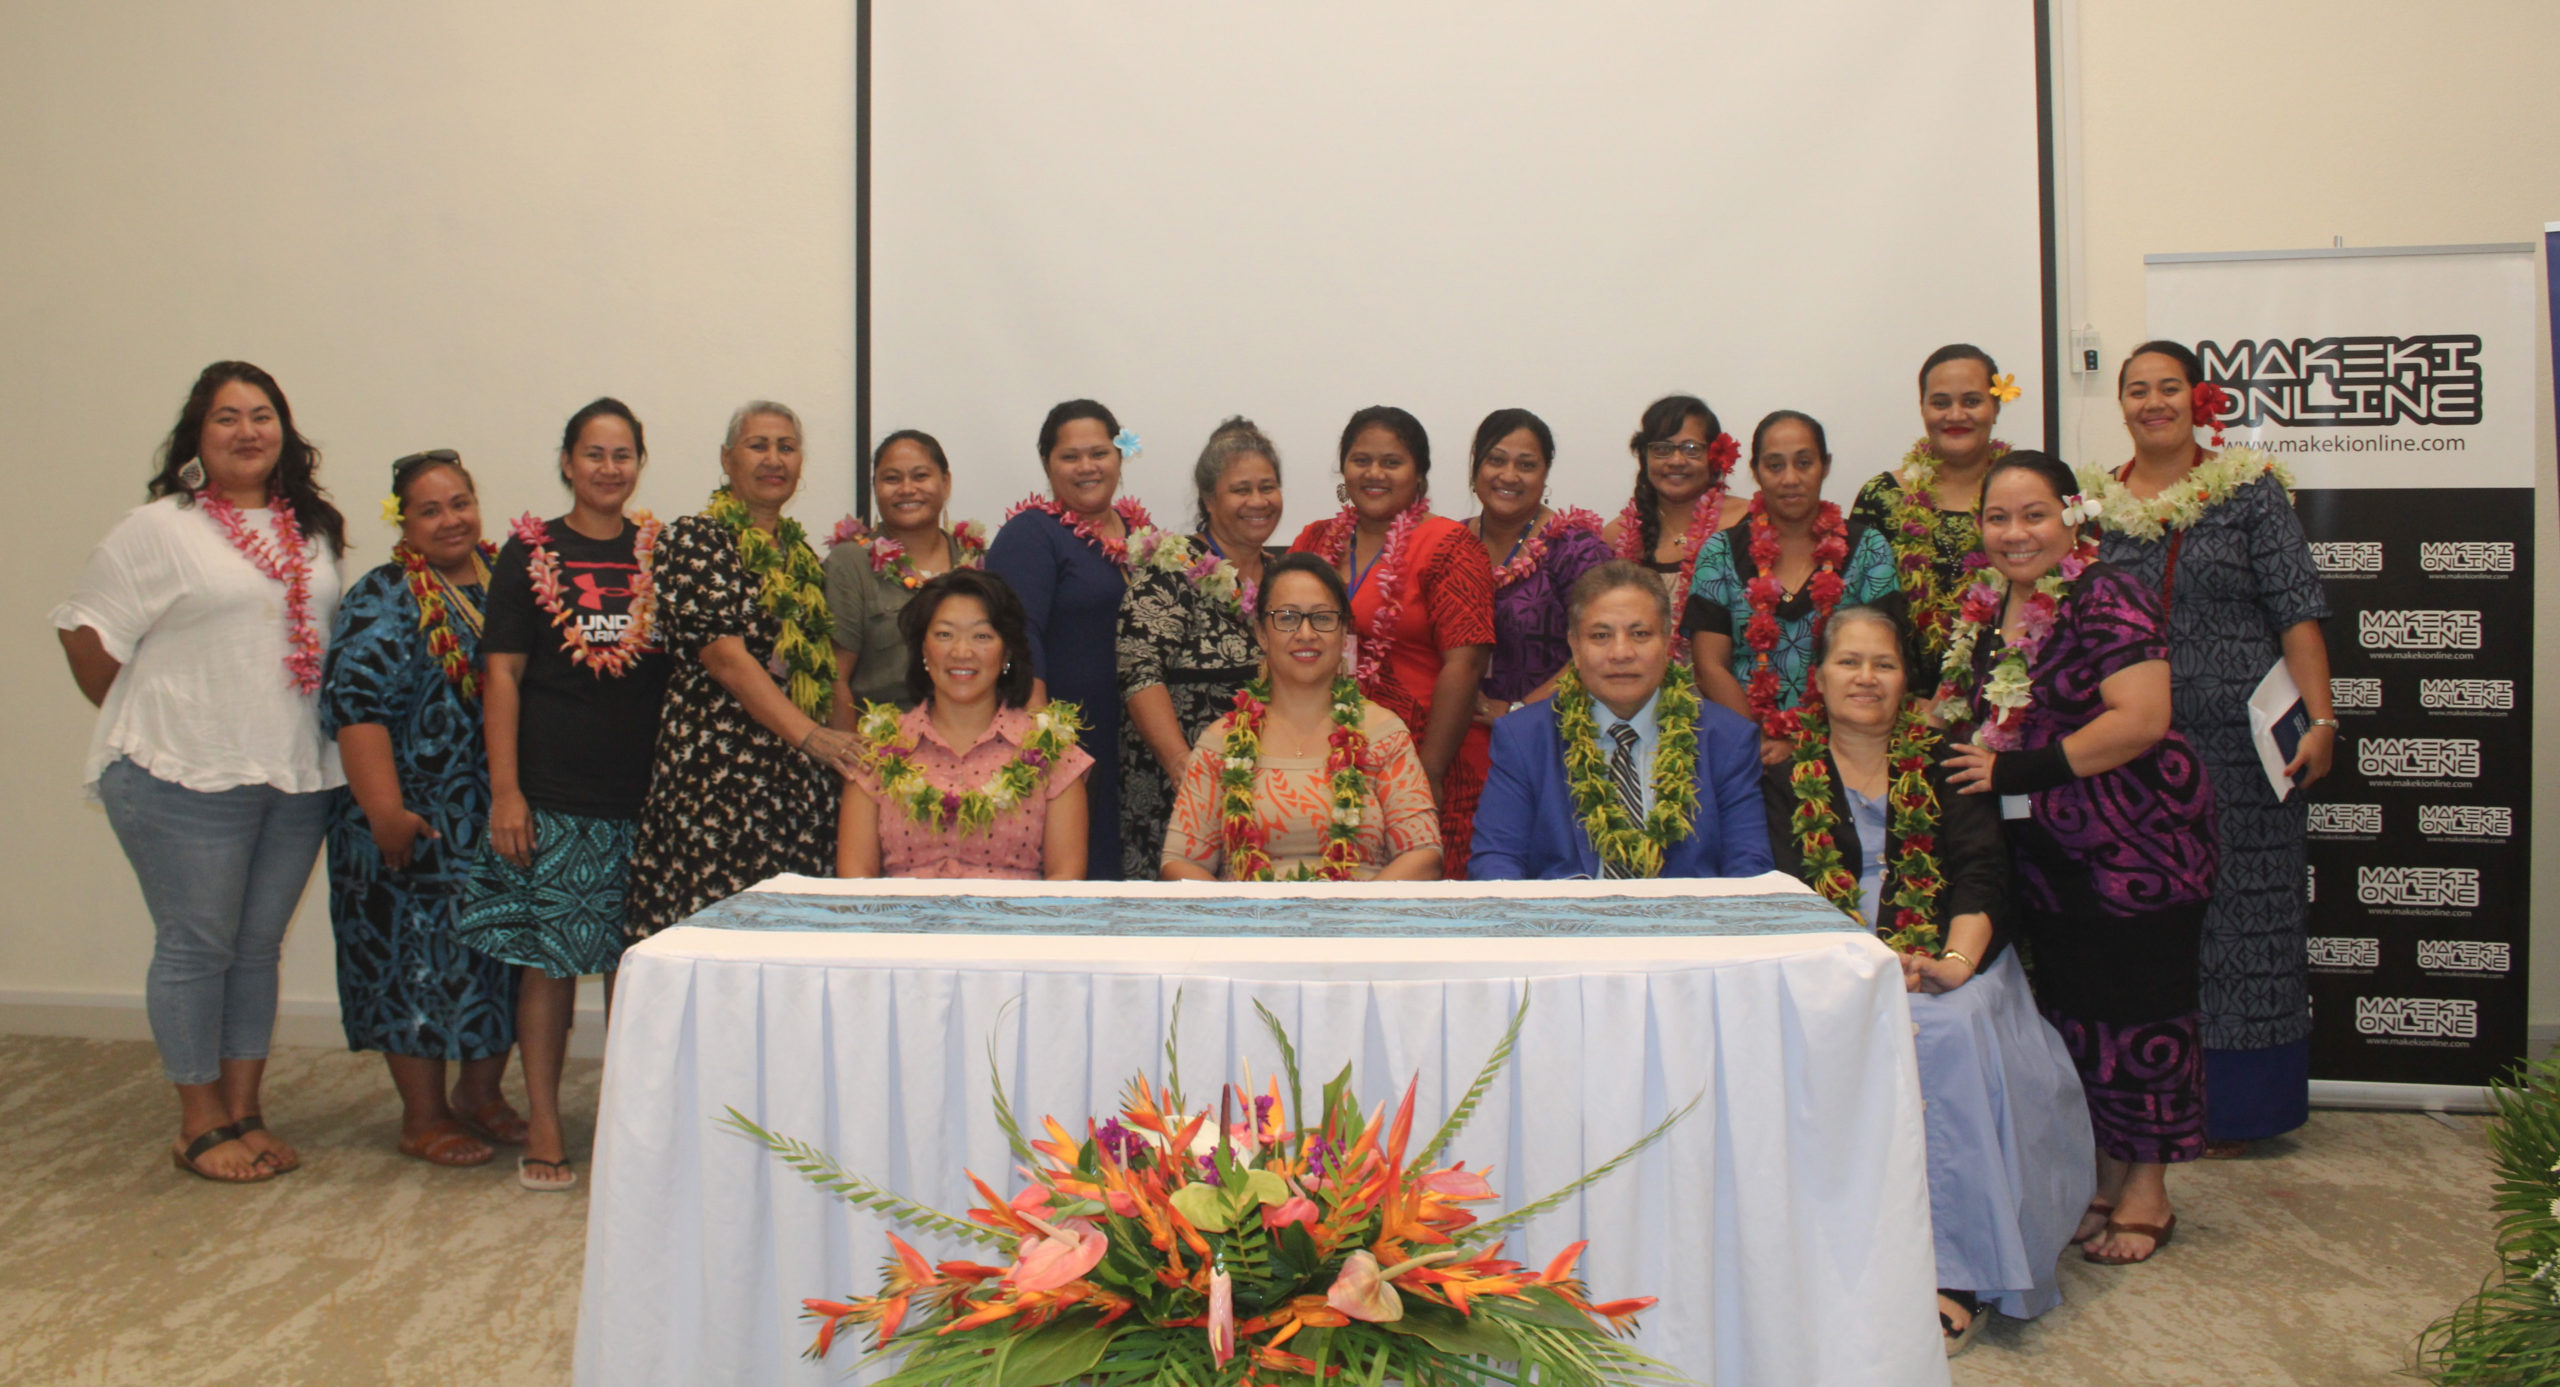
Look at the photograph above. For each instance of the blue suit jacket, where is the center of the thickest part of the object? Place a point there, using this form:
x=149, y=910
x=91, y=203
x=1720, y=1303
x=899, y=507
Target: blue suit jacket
x=1526, y=826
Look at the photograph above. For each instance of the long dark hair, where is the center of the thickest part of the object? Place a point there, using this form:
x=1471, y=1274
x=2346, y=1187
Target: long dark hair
x=598, y=408
x=2176, y=351
x=1662, y=421
x=1408, y=431
x=1067, y=412
x=1004, y=612
x=297, y=462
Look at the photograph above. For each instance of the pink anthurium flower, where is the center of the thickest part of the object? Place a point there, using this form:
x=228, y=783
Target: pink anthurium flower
x=1298, y=1209
x=1458, y=1182
x=1222, y=1317
x=1062, y=1256
x=1358, y=1291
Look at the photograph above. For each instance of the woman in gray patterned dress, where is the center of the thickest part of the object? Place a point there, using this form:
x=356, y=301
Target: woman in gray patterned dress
x=2215, y=535
x=1185, y=646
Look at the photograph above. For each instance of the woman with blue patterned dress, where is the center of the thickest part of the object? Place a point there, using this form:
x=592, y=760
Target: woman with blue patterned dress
x=401, y=696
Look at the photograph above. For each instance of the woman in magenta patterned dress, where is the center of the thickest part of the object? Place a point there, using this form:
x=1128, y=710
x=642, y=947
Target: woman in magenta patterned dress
x=1536, y=554
x=2061, y=664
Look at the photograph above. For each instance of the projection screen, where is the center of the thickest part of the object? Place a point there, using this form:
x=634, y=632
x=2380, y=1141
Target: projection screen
x=1193, y=210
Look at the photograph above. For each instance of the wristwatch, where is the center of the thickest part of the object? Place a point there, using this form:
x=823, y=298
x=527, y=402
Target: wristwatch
x=2330, y=723
x=1515, y=707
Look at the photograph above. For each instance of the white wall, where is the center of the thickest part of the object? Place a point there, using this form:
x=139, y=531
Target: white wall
x=450, y=225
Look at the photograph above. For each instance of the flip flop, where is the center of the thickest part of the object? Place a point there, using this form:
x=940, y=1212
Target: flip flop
x=2158, y=1233
x=256, y=1122
x=2103, y=1210
x=437, y=1146
x=545, y=1186
x=495, y=1122
x=1958, y=1340
x=205, y=1141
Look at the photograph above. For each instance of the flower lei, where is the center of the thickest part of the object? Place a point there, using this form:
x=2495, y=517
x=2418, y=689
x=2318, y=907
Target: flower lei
x=1053, y=735
x=1210, y=571
x=1133, y=517
x=283, y=559
x=2008, y=692
x=542, y=569
x=1704, y=513
x=1334, y=541
x=968, y=548
x=1635, y=849
x=1246, y=837
x=2183, y=502
x=1914, y=522
x=1830, y=550
x=1533, y=549
x=428, y=589
x=1913, y=810
x=791, y=588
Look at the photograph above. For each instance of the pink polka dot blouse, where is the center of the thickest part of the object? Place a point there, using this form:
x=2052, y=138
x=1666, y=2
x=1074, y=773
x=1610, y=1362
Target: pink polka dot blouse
x=1006, y=850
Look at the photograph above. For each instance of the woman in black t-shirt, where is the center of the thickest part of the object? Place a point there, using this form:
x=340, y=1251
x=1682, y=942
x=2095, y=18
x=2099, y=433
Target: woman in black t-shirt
x=575, y=677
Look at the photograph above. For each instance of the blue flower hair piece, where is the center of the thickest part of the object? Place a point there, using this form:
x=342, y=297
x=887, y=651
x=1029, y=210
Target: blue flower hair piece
x=1127, y=443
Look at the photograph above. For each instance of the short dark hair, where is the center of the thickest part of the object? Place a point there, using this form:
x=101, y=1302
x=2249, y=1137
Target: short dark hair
x=1407, y=429
x=1775, y=417
x=296, y=475
x=598, y=408
x=1004, y=612
x=1607, y=577
x=2175, y=351
x=1313, y=567
x=1955, y=351
x=1663, y=420
x=1066, y=412
x=1503, y=423
x=932, y=448
x=2056, y=473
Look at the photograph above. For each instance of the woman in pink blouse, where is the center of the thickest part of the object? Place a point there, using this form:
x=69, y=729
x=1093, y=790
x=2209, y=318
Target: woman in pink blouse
x=970, y=783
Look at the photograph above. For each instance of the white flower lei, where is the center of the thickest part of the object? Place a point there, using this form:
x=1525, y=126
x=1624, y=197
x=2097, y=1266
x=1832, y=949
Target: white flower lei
x=2183, y=502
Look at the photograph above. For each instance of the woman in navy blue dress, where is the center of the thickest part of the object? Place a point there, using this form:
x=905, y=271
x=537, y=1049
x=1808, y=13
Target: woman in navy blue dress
x=401, y=696
x=1066, y=555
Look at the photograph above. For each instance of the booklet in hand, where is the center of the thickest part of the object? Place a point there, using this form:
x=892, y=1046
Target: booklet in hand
x=2278, y=722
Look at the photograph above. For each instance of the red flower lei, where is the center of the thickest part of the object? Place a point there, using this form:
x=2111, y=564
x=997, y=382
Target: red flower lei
x=1533, y=550
x=285, y=560
x=1703, y=515
x=1133, y=518
x=435, y=615
x=1246, y=838
x=968, y=548
x=543, y=568
x=1369, y=660
x=1830, y=550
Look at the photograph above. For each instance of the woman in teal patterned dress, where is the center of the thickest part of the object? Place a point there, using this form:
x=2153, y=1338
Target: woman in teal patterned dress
x=401, y=696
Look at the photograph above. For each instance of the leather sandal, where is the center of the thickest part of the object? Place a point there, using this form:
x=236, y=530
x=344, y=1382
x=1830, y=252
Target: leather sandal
x=1958, y=1340
x=205, y=1141
x=443, y=1144
x=2103, y=1210
x=2158, y=1233
x=525, y=1178
x=495, y=1122
x=257, y=1122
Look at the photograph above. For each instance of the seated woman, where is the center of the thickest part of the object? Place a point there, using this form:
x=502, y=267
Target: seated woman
x=1257, y=801
x=2009, y=1145
x=968, y=783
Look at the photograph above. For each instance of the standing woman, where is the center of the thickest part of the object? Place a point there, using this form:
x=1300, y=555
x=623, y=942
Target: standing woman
x=2214, y=534
x=574, y=677
x=1186, y=630
x=2059, y=665
x=1926, y=507
x=1421, y=609
x=1775, y=581
x=747, y=773
x=871, y=573
x=1683, y=458
x=1066, y=555
x=196, y=630
x=1537, y=554
x=402, y=697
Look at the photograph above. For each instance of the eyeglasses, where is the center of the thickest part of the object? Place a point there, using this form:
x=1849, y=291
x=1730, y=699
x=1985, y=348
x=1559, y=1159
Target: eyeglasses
x=1323, y=619
x=1687, y=448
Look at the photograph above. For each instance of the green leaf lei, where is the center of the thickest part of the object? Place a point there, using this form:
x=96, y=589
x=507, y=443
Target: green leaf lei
x=1632, y=848
x=1053, y=735
x=1912, y=808
x=791, y=586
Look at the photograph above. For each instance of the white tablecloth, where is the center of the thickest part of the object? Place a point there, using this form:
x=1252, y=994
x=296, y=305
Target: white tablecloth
x=1785, y=1225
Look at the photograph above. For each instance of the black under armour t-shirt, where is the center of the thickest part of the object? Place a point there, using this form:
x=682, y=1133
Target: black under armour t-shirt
x=584, y=740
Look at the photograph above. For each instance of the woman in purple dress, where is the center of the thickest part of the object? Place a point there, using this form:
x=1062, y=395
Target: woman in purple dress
x=2060, y=664
x=1536, y=554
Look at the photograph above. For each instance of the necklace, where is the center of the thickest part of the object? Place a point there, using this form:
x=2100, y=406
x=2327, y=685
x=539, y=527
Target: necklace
x=1913, y=532
x=791, y=588
x=1133, y=518
x=1530, y=550
x=2009, y=690
x=438, y=599
x=967, y=549
x=283, y=558
x=1246, y=837
x=1912, y=879
x=542, y=569
x=1334, y=540
x=891, y=757
x=1200, y=562
x=2180, y=504
x=1764, y=592
x=1635, y=849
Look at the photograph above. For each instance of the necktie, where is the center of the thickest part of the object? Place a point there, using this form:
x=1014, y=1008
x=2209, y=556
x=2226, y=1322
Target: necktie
x=1622, y=775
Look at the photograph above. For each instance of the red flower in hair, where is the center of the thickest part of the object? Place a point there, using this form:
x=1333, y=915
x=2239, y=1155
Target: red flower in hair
x=2211, y=401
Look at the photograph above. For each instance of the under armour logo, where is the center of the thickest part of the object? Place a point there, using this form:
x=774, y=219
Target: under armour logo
x=591, y=594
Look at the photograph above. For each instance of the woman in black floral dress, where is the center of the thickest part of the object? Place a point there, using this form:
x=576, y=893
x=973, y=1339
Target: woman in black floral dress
x=748, y=773
x=1185, y=646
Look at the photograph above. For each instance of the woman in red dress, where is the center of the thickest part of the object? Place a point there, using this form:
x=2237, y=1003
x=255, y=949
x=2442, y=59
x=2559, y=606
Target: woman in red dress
x=1421, y=608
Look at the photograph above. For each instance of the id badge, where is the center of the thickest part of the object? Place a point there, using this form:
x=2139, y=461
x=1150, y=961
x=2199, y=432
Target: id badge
x=2017, y=807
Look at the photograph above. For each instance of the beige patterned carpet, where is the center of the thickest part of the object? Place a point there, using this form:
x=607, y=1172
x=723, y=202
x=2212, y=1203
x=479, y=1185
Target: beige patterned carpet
x=2316, y=1265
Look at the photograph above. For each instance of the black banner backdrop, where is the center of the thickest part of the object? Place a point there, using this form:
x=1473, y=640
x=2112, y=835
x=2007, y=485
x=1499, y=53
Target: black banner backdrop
x=2398, y=386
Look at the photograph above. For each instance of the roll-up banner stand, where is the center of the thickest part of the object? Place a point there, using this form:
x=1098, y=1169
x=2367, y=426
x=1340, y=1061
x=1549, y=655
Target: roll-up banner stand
x=2399, y=386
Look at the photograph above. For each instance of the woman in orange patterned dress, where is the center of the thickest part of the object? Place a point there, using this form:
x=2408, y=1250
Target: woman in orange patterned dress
x=1331, y=785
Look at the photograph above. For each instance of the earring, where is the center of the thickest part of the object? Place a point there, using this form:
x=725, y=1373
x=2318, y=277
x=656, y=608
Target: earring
x=1008, y=668
x=191, y=476
x=1342, y=492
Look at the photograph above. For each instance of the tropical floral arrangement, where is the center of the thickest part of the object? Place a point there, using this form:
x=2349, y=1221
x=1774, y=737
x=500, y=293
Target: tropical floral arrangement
x=1263, y=1243
x=2510, y=1331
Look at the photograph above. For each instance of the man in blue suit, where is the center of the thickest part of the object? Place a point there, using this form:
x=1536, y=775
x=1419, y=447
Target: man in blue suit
x=1526, y=827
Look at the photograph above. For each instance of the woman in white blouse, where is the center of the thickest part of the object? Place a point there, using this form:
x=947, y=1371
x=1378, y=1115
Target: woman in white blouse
x=197, y=630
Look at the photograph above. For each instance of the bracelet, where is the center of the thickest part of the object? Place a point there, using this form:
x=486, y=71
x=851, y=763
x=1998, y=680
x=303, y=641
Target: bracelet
x=1960, y=954
x=2330, y=723
x=813, y=736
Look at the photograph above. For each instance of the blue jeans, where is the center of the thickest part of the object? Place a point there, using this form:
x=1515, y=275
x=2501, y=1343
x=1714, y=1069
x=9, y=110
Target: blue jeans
x=221, y=873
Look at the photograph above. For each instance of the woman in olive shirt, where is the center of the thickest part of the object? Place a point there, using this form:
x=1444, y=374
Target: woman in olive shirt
x=872, y=573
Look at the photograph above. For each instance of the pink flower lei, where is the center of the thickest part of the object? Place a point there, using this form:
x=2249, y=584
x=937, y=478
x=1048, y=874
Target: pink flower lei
x=968, y=548
x=542, y=571
x=1533, y=550
x=1369, y=660
x=2006, y=695
x=284, y=559
x=1703, y=515
x=1133, y=517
